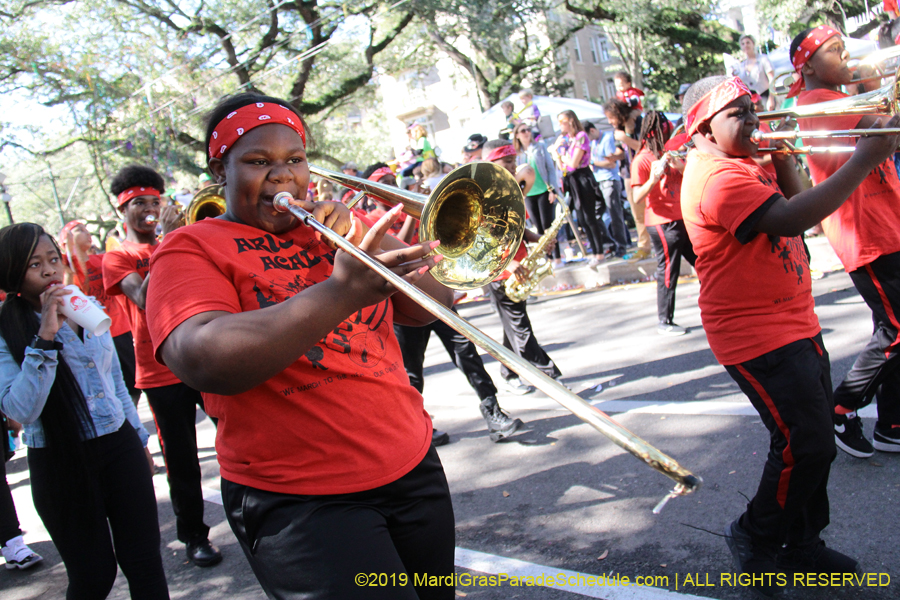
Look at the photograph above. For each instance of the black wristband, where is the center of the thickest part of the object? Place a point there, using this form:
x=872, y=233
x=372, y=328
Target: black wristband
x=41, y=344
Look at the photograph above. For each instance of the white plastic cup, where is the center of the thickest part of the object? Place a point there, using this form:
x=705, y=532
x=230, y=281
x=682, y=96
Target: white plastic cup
x=84, y=312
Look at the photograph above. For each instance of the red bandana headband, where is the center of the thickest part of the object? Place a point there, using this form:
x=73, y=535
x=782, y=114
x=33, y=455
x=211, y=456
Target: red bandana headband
x=501, y=152
x=806, y=49
x=64, y=232
x=133, y=192
x=715, y=100
x=380, y=174
x=246, y=118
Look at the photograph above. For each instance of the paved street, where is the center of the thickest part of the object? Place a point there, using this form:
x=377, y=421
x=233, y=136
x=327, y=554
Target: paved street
x=560, y=497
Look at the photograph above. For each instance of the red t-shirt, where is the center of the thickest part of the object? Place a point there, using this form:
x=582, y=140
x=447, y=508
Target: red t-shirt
x=632, y=97
x=756, y=296
x=119, y=263
x=664, y=199
x=521, y=253
x=92, y=285
x=867, y=225
x=343, y=418
x=396, y=227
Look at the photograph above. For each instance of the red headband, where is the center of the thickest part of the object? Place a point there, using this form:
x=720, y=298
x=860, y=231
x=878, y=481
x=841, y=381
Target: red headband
x=133, y=192
x=806, y=49
x=501, y=152
x=715, y=100
x=64, y=232
x=246, y=118
x=380, y=174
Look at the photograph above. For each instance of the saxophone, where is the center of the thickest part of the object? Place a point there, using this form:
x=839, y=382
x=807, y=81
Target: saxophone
x=537, y=263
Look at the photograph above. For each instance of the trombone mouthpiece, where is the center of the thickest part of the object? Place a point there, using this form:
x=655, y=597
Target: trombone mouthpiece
x=756, y=136
x=282, y=201
x=151, y=219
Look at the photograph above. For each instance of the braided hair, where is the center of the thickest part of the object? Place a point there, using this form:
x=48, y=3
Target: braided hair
x=655, y=132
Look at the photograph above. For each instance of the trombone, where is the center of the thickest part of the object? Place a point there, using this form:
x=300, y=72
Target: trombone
x=883, y=101
x=492, y=230
x=787, y=136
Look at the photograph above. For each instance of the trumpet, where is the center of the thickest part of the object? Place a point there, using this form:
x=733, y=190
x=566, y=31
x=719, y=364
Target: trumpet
x=507, y=193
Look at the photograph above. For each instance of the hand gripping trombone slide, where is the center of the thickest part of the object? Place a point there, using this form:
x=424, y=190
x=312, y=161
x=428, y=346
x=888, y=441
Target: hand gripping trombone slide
x=686, y=482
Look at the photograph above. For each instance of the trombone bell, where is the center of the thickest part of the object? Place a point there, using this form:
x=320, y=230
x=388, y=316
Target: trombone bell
x=209, y=203
x=476, y=211
x=478, y=214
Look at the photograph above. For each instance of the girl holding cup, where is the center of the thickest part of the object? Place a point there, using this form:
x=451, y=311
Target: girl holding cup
x=85, y=457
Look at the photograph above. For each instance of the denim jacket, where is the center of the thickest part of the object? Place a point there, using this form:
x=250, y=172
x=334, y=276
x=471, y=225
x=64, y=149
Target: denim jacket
x=95, y=365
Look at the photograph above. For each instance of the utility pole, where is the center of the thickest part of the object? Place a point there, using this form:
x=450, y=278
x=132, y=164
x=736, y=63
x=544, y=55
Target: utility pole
x=59, y=209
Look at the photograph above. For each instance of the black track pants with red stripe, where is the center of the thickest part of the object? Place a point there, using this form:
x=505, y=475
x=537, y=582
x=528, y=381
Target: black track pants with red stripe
x=876, y=371
x=670, y=243
x=791, y=390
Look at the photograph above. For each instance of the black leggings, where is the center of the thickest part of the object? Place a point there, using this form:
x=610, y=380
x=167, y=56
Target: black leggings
x=361, y=546
x=583, y=188
x=125, y=506
x=542, y=214
x=9, y=521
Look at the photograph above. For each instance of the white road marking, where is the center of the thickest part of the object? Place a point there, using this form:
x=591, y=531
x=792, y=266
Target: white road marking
x=700, y=407
x=489, y=563
x=494, y=565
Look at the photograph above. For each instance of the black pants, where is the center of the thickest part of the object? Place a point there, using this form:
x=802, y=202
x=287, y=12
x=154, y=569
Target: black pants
x=174, y=410
x=9, y=520
x=337, y=546
x=414, y=341
x=875, y=372
x=670, y=243
x=583, y=188
x=790, y=388
x=542, y=214
x=125, y=505
x=125, y=350
x=610, y=191
x=518, y=334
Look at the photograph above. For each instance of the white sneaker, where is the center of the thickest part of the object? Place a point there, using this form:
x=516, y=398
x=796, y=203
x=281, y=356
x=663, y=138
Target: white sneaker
x=18, y=555
x=670, y=329
x=517, y=386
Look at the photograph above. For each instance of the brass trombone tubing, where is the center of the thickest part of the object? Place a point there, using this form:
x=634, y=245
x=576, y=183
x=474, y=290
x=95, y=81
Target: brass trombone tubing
x=759, y=136
x=686, y=482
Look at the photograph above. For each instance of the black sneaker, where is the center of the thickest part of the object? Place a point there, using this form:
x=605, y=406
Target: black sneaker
x=887, y=439
x=500, y=425
x=755, y=560
x=849, y=437
x=815, y=557
x=439, y=438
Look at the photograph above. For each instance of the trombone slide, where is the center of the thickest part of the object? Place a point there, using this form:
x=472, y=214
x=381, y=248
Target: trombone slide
x=686, y=482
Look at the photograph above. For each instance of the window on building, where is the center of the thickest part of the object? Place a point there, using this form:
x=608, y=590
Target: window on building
x=611, y=86
x=584, y=88
x=594, y=51
x=604, y=50
x=601, y=90
x=578, y=51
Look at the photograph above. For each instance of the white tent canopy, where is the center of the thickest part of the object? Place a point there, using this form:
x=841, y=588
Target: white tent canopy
x=492, y=120
x=781, y=62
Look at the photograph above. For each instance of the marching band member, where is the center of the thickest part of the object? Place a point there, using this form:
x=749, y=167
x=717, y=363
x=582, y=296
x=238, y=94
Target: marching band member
x=656, y=178
x=325, y=449
x=518, y=334
x=758, y=312
x=865, y=234
x=174, y=404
